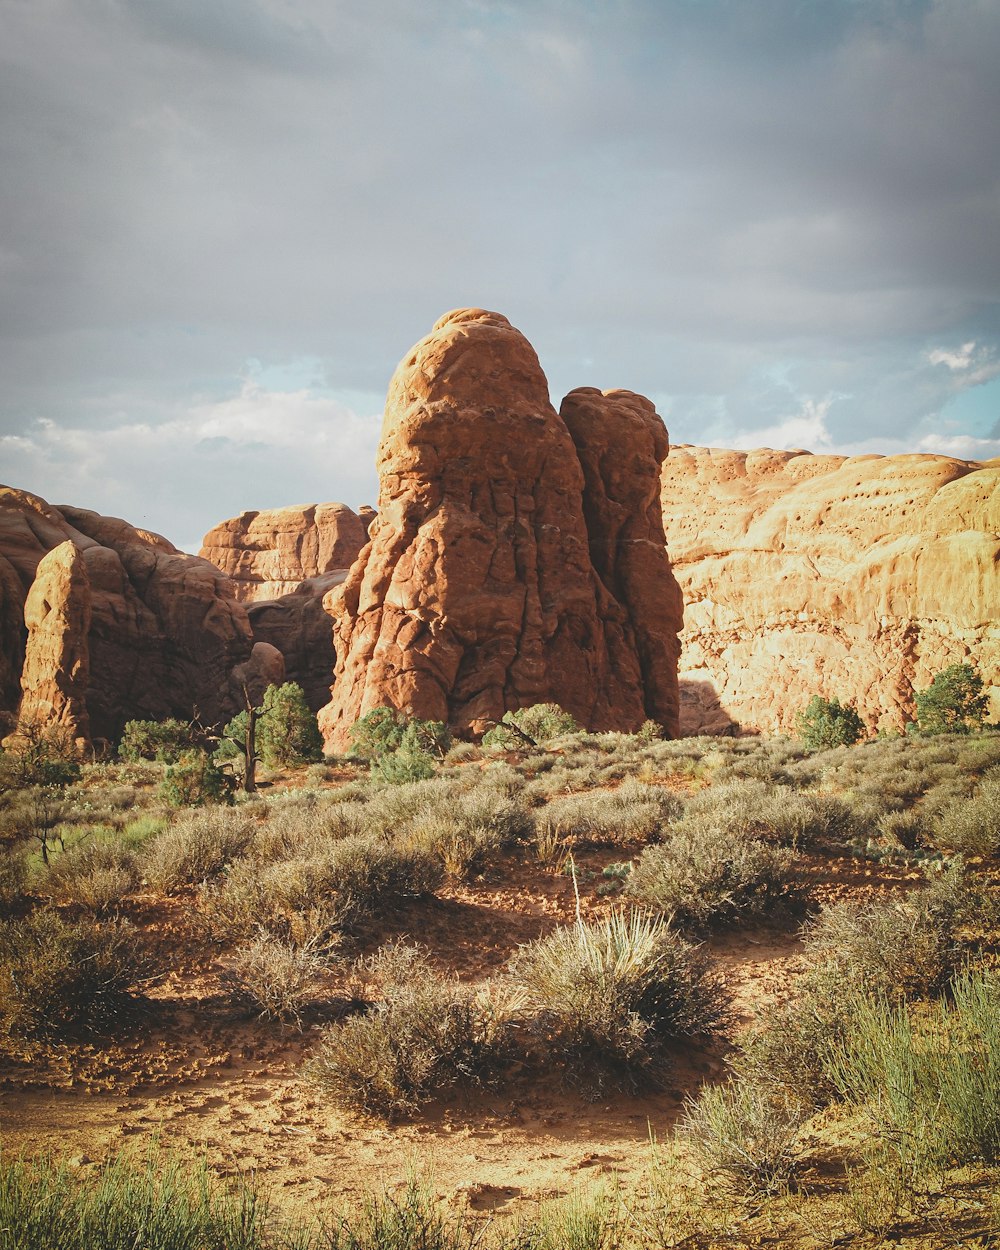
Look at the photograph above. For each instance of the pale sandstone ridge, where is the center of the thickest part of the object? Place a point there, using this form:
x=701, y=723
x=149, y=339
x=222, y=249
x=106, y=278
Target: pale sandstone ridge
x=162, y=631
x=269, y=554
x=857, y=578
x=477, y=592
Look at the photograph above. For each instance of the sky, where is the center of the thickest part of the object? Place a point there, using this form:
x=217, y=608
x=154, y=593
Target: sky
x=224, y=222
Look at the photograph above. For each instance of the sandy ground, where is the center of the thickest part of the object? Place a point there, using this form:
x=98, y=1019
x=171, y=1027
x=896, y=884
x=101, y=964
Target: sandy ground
x=199, y=1077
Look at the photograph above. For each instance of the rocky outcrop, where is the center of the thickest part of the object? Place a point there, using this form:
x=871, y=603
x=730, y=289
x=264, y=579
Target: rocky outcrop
x=857, y=578
x=165, y=632
x=299, y=627
x=477, y=592
x=621, y=442
x=270, y=554
x=56, y=669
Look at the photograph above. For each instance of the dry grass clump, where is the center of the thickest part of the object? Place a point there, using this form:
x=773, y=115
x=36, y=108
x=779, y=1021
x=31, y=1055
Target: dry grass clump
x=772, y=813
x=57, y=976
x=631, y=813
x=607, y=999
x=13, y=877
x=196, y=847
x=278, y=979
x=96, y=874
x=704, y=876
x=423, y=1034
x=972, y=826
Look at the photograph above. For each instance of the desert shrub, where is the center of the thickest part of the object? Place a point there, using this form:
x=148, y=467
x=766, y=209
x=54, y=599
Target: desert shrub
x=705, y=876
x=907, y=828
x=95, y=874
x=377, y=733
x=165, y=741
x=312, y=896
x=791, y=1047
x=632, y=812
x=898, y=949
x=469, y=831
x=462, y=753
x=931, y=1081
x=288, y=732
x=607, y=998
x=278, y=979
x=423, y=1034
x=194, y=781
x=197, y=846
x=953, y=703
x=156, y=1203
x=529, y=726
x=36, y=755
x=13, y=877
x=748, y=807
x=57, y=975
x=747, y=1134
x=828, y=723
x=417, y=1220
x=972, y=826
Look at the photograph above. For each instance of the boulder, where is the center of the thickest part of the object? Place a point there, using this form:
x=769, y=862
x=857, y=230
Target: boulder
x=850, y=577
x=477, y=593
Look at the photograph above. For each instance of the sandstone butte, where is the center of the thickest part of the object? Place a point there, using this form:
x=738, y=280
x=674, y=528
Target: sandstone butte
x=101, y=623
x=282, y=561
x=482, y=588
x=857, y=578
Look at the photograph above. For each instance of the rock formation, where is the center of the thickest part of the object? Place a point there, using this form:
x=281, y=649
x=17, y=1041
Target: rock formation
x=164, y=632
x=857, y=578
x=269, y=554
x=476, y=593
x=56, y=669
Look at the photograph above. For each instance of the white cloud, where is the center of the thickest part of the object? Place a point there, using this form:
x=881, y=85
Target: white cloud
x=961, y=446
x=806, y=429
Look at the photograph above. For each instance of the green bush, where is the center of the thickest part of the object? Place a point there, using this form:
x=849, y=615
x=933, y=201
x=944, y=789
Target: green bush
x=537, y=724
x=38, y=756
x=165, y=741
x=608, y=998
x=423, y=1034
x=194, y=781
x=408, y=763
x=383, y=730
x=953, y=703
x=827, y=723
x=57, y=975
x=288, y=732
x=703, y=877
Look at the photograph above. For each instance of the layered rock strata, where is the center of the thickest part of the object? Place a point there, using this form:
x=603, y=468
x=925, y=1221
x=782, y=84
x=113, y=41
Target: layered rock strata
x=161, y=629
x=477, y=592
x=857, y=578
x=271, y=553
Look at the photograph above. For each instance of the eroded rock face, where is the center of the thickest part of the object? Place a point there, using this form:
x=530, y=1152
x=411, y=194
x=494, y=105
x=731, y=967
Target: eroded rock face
x=857, y=578
x=621, y=442
x=56, y=669
x=269, y=554
x=477, y=593
x=299, y=627
x=165, y=632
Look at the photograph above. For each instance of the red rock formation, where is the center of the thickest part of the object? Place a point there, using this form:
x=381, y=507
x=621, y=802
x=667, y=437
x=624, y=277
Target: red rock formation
x=56, y=668
x=269, y=554
x=857, y=578
x=165, y=632
x=621, y=442
x=476, y=593
x=299, y=627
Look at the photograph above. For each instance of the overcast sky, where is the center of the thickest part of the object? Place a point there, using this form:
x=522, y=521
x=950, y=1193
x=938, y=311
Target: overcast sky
x=223, y=222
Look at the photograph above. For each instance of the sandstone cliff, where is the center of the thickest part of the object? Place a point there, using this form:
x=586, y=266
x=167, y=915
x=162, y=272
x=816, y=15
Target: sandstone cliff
x=477, y=592
x=161, y=630
x=854, y=577
x=269, y=554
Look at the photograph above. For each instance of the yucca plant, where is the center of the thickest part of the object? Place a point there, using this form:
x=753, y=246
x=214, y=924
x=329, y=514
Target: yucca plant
x=613, y=994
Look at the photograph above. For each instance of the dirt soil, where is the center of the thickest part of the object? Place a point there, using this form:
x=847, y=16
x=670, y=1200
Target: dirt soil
x=197, y=1076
